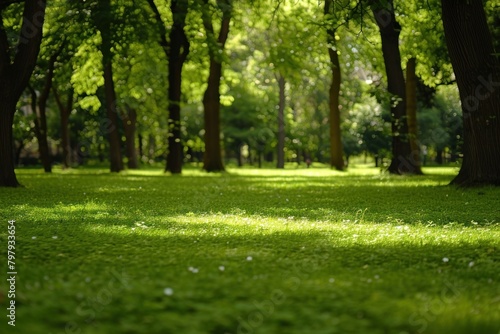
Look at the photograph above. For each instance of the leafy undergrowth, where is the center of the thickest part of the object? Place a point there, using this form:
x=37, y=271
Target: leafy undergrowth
x=252, y=251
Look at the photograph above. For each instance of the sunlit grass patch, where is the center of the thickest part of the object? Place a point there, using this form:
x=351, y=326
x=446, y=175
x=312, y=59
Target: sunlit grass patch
x=253, y=251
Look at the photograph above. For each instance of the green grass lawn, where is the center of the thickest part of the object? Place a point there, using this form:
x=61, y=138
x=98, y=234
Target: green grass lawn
x=251, y=251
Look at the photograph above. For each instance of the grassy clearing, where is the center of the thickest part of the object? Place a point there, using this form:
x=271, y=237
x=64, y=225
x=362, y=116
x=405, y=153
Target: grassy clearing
x=252, y=251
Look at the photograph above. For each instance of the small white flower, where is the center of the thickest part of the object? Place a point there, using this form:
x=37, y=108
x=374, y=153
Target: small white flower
x=222, y=268
x=168, y=291
x=445, y=259
x=33, y=237
x=471, y=264
x=249, y=258
x=54, y=237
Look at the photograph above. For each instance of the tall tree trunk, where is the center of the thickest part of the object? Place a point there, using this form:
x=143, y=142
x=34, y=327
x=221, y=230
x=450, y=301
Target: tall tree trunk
x=151, y=147
x=281, y=123
x=102, y=20
x=176, y=49
x=65, y=112
x=14, y=77
x=411, y=114
x=177, y=54
x=129, y=118
x=239, y=157
x=7, y=173
x=336, y=152
x=175, y=150
x=40, y=130
x=141, y=143
x=477, y=70
x=401, y=162
x=439, y=156
x=43, y=138
x=41, y=112
x=17, y=154
x=212, y=159
x=115, y=155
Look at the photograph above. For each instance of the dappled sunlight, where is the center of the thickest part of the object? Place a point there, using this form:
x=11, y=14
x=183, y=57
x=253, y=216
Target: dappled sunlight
x=215, y=243
x=356, y=231
x=441, y=170
x=61, y=211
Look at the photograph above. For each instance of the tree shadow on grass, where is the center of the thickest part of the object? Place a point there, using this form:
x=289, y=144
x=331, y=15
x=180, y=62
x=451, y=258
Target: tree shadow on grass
x=225, y=278
x=355, y=198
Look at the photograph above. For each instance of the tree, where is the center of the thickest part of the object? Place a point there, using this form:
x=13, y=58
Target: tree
x=368, y=129
x=280, y=163
x=440, y=123
x=103, y=21
x=129, y=118
x=336, y=155
x=245, y=121
x=212, y=159
x=411, y=113
x=286, y=35
x=477, y=69
x=65, y=111
x=39, y=106
x=176, y=49
x=16, y=66
x=402, y=160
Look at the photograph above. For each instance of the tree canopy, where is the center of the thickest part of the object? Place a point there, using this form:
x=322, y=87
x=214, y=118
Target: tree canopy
x=179, y=81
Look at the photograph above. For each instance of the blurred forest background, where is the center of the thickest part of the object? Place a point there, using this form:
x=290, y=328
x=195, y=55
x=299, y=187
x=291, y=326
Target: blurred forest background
x=244, y=82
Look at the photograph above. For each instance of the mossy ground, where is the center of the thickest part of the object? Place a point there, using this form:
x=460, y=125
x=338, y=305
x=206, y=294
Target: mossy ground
x=252, y=251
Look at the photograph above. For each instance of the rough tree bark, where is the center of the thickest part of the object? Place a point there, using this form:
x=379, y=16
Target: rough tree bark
x=477, y=70
x=411, y=113
x=212, y=158
x=14, y=77
x=402, y=162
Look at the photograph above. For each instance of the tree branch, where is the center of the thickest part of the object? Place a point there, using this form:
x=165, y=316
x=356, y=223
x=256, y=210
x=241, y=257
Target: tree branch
x=29, y=43
x=163, y=31
x=226, y=7
x=44, y=95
